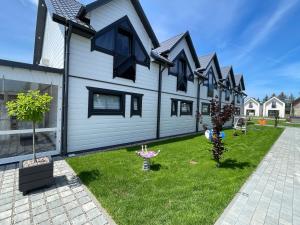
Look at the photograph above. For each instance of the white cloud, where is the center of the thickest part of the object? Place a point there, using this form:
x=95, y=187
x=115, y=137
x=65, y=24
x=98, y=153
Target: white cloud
x=266, y=26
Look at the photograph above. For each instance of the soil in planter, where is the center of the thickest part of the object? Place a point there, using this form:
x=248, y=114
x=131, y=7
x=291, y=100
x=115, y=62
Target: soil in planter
x=39, y=161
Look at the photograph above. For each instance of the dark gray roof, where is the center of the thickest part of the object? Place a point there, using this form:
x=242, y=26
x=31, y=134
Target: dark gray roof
x=169, y=44
x=205, y=60
x=225, y=71
x=239, y=79
x=67, y=9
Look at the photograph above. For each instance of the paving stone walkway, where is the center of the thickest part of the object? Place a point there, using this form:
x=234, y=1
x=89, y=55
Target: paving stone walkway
x=272, y=194
x=66, y=202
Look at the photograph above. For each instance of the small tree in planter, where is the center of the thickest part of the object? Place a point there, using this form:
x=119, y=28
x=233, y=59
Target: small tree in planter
x=31, y=107
x=219, y=117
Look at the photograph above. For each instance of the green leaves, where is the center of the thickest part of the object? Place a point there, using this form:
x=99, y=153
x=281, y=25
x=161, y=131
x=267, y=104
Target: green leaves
x=29, y=106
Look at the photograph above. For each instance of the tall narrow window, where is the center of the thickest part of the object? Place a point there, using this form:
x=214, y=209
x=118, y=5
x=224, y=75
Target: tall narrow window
x=238, y=100
x=210, y=84
x=251, y=105
x=174, y=107
x=182, y=70
x=227, y=91
x=205, y=109
x=273, y=104
x=136, y=105
x=182, y=76
x=121, y=40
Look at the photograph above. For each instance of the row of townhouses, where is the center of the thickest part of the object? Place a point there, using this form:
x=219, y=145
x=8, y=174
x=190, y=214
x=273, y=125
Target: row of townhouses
x=113, y=83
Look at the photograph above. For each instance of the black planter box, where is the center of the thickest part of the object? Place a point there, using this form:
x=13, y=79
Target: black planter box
x=34, y=177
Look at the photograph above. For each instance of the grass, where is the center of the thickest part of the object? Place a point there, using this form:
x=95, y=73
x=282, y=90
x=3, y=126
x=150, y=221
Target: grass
x=283, y=123
x=184, y=185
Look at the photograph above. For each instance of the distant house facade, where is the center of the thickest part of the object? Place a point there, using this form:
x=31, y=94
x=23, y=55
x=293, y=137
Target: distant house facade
x=252, y=107
x=274, y=106
x=296, y=108
x=112, y=82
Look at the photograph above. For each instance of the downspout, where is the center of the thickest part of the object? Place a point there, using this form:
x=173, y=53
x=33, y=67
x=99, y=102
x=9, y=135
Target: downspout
x=159, y=101
x=198, y=106
x=68, y=33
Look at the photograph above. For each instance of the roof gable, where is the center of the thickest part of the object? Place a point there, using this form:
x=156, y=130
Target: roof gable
x=138, y=8
x=252, y=99
x=167, y=46
x=227, y=73
x=206, y=60
x=274, y=98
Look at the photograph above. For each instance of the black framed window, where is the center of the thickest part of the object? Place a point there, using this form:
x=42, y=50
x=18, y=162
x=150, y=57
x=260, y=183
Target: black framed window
x=182, y=69
x=237, y=111
x=274, y=104
x=250, y=105
x=136, y=105
x=227, y=91
x=205, y=109
x=174, y=107
x=121, y=40
x=210, y=83
x=105, y=102
x=186, y=108
x=238, y=100
x=182, y=76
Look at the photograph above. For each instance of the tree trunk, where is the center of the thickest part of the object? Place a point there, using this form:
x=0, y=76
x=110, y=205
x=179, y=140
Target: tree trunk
x=33, y=142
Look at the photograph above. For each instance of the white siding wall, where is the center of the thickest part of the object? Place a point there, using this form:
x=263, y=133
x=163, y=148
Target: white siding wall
x=279, y=106
x=114, y=10
x=256, y=107
x=177, y=125
x=53, y=46
x=102, y=131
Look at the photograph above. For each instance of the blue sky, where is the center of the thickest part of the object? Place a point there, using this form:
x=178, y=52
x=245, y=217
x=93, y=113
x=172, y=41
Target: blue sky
x=261, y=39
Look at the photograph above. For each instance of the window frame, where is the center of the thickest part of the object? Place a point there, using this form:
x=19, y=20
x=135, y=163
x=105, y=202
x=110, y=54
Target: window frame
x=227, y=91
x=116, y=28
x=212, y=85
x=274, y=104
x=208, y=105
x=191, y=103
x=175, y=101
x=105, y=112
x=138, y=112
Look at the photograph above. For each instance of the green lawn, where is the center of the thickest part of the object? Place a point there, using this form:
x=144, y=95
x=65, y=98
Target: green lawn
x=280, y=123
x=184, y=186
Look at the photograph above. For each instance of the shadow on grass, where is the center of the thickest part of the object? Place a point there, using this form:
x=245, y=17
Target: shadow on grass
x=89, y=176
x=155, y=167
x=162, y=142
x=234, y=164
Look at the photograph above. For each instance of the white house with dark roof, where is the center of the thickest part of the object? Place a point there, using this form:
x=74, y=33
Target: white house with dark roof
x=274, y=106
x=252, y=107
x=112, y=82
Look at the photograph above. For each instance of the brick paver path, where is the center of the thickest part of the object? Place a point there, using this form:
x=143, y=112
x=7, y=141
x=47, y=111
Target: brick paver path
x=272, y=193
x=67, y=202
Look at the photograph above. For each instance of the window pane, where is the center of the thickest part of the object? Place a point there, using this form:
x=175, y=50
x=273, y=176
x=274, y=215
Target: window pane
x=174, y=69
x=135, y=104
x=139, y=53
x=123, y=44
x=102, y=101
x=9, y=92
x=205, y=108
x=106, y=40
x=185, y=107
